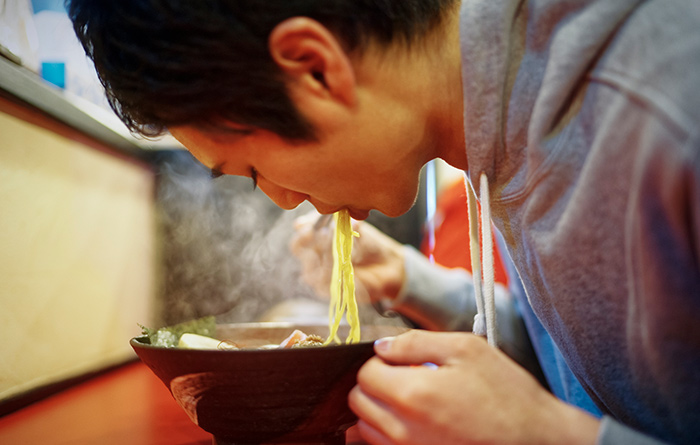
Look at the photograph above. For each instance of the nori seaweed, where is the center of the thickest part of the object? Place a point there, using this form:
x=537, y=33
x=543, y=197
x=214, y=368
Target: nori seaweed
x=169, y=336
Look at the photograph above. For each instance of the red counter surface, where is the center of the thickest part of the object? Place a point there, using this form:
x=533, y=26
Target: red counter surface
x=126, y=406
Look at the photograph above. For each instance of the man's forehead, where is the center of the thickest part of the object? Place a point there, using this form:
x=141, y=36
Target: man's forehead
x=208, y=135
x=198, y=143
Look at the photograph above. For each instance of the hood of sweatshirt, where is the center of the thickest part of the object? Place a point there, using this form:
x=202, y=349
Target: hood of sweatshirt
x=520, y=61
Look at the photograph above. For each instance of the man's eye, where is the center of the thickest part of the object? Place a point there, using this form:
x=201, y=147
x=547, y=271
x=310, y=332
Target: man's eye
x=254, y=177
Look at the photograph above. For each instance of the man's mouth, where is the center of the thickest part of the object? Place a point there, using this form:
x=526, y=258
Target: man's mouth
x=359, y=215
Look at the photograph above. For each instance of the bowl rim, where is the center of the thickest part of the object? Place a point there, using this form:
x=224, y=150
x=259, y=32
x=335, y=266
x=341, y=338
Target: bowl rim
x=136, y=341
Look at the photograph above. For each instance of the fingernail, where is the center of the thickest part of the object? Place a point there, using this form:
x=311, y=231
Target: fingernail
x=383, y=344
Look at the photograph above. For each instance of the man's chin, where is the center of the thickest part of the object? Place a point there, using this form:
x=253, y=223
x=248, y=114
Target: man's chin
x=398, y=208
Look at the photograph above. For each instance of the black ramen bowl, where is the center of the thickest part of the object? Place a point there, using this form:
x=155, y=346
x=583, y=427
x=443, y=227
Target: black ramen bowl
x=260, y=396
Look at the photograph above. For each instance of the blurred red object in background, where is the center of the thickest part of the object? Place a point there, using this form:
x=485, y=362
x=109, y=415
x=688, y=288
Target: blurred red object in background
x=452, y=232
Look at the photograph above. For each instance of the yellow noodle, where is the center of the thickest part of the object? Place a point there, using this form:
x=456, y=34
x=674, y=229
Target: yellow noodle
x=343, y=281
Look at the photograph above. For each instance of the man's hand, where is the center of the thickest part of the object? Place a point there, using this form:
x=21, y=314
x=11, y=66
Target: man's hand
x=377, y=258
x=476, y=395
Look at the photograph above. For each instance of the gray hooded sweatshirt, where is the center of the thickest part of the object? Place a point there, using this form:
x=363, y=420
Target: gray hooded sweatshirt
x=585, y=117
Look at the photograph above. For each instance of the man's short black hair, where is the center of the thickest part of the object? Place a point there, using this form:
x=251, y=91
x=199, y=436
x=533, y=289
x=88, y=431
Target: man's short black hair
x=206, y=62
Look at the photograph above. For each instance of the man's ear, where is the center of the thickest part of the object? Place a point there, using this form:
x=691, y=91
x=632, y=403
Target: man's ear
x=313, y=60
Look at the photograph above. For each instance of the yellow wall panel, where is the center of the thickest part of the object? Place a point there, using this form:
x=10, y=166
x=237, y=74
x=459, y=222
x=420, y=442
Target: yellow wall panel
x=77, y=256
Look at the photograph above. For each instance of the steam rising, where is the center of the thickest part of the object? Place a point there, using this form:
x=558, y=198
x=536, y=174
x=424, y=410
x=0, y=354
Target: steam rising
x=224, y=246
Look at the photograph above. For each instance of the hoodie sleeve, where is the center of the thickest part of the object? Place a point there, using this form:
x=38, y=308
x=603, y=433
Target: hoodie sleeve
x=442, y=299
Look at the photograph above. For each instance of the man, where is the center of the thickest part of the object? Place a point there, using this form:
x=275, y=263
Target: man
x=581, y=116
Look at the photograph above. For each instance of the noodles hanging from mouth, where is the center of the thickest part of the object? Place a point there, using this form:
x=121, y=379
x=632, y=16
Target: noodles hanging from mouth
x=343, y=281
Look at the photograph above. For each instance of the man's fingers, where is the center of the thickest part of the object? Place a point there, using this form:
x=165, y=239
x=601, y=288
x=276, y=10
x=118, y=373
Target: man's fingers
x=396, y=386
x=418, y=347
x=376, y=418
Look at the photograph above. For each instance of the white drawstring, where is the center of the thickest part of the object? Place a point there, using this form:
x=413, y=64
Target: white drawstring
x=485, y=318
x=479, y=327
